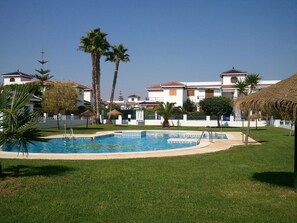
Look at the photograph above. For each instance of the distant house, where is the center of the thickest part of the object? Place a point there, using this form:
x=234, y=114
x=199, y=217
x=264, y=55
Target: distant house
x=20, y=78
x=133, y=101
x=179, y=92
x=16, y=78
x=84, y=92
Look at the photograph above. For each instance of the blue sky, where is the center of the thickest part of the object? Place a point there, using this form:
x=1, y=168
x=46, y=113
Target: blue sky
x=168, y=40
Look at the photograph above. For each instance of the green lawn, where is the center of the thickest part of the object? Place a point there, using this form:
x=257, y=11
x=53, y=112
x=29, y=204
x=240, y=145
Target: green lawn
x=243, y=184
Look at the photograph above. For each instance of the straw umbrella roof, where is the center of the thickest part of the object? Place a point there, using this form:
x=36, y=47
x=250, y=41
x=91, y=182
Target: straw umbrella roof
x=87, y=113
x=114, y=112
x=282, y=96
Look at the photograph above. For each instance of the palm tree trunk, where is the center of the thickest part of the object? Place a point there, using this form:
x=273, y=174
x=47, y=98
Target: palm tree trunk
x=115, y=76
x=94, y=82
x=97, y=85
x=295, y=156
x=248, y=130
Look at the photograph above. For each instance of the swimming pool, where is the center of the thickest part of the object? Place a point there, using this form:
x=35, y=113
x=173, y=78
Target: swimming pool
x=126, y=141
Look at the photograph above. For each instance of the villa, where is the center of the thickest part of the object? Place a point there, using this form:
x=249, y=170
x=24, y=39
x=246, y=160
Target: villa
x=84, y=92
x=179, y=92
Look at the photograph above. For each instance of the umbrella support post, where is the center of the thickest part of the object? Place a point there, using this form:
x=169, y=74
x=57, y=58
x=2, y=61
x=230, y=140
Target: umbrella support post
x=295, y=157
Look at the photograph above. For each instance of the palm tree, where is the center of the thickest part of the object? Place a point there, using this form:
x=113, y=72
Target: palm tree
x=95, y=42
x=241, y=86
x=252, y=80
x=18, y=124
x=166, y=110
x=117, y=55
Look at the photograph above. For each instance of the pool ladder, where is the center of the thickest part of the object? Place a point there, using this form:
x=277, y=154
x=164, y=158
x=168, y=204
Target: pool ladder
x=198, y=141
x=210, y=133
x=71, y=135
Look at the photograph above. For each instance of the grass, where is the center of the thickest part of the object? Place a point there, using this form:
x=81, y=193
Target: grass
x=243, y=184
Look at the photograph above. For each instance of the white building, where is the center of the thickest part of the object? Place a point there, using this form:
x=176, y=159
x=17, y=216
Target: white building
x=16, y=78
x=84, y=93
x=179, y=92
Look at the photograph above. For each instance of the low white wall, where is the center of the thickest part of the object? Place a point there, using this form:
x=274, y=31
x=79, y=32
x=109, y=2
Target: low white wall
x=193, y=123
x=51, y=123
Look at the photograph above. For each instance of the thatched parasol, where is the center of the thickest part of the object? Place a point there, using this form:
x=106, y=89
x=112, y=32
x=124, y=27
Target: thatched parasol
x=114, y=112
x=87, y=114
x=281, y=96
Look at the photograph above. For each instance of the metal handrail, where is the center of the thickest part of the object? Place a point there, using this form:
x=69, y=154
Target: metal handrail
x=198, y=141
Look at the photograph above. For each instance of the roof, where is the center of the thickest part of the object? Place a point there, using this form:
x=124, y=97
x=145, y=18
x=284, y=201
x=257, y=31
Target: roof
x=133, y=96
x=155, y=87
x=173, y=84
x=233, y=72
x=18, y=73
x=75, y=84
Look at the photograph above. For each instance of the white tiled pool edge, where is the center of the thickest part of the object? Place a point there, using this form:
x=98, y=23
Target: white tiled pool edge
x=234, y=139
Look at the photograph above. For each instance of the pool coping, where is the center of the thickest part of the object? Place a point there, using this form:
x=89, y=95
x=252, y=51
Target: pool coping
x=234, y=139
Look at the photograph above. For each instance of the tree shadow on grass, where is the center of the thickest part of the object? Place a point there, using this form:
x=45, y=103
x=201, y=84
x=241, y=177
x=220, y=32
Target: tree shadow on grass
x=29, y=171
x=284, y=179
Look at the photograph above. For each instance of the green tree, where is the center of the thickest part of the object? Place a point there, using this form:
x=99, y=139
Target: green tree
x=166, y=110
x=18, y=123
x=95, y=42
x=216, y=106
x=189, y=106
x=42, y=74
x=57, y=99
x=117, y=55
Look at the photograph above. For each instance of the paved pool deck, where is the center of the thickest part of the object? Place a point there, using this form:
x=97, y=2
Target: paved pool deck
x=234, y=139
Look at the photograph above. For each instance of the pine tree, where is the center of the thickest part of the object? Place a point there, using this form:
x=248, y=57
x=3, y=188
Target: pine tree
x=43, y=74
x=121, y=98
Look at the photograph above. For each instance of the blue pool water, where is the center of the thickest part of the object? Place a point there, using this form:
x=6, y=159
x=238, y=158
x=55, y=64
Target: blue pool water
x=112, y=143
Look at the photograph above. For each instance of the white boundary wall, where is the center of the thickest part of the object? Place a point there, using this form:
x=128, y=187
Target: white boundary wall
x=200, y=123
x=52, y=123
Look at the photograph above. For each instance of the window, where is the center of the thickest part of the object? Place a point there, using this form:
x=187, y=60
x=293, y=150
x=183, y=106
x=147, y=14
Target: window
x=233, y=79
x=12, y=79
x=172, y=92
x=209, y=93
x=191, y=92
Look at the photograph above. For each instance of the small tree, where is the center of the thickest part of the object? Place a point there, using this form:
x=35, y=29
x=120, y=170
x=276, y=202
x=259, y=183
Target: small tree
x=17, y=123
x=57, y=99
x=166, y=110
x=189, y=106
x=216, y=106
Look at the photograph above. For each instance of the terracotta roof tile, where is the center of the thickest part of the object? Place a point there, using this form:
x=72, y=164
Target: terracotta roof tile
x=173, y=84
x=157, y=86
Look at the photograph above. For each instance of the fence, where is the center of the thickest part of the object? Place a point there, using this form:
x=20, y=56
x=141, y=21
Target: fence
x=68, y=120
x=184, y=120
